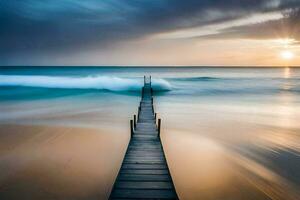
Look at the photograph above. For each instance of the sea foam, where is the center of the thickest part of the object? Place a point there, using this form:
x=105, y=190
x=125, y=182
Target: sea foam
x=88, y=82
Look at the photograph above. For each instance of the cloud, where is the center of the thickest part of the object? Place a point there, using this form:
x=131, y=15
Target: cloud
x=61, y=26
x=286, y=27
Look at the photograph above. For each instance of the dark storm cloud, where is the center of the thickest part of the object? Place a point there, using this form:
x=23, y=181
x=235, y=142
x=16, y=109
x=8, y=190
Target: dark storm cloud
x=70, y=25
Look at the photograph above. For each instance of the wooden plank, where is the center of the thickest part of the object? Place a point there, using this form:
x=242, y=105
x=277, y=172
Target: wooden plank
x=140, y=159
x=146, y=148
x=131, y=157
x=145, y=171
x=143, y=185
x=143, y=177
x=145, y=194
x=143, y=162
x=138, y=143
x=148, y=155
x=144, y=166
x=145, y=154
x=144, y=142
x=153, y=161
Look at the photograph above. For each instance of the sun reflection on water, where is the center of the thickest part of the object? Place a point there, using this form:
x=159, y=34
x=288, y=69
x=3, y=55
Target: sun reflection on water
x=287, y=72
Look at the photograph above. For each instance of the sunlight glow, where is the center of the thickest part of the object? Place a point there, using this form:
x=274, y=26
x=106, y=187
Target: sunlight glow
x=287, y=55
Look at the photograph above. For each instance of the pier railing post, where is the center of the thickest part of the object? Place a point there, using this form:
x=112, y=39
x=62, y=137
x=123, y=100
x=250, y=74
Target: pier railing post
x=139, y=112
x=131, y=127
x=158, y=127
x=152, y=104
x=134, y=121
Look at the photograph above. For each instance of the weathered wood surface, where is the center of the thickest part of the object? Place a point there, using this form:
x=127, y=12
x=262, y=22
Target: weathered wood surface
x=144, y=173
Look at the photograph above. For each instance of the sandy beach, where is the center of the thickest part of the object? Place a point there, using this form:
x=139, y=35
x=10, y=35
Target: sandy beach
x=52, y=162
x=45, y=162
x=203, y=169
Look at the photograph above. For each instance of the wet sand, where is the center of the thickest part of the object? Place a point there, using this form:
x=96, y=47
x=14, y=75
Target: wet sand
x=218, y=151
x=50, y=162
x=208, y=168
x=54, y=162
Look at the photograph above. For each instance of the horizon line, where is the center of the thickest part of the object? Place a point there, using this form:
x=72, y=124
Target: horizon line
x=158, y=66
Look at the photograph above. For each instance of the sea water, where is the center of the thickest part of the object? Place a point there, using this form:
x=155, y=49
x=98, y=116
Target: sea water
x=227, y=132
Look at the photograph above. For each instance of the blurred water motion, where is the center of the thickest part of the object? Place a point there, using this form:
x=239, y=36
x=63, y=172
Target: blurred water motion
x=227, y=133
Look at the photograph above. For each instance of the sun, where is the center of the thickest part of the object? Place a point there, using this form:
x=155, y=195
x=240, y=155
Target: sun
x=287, y=55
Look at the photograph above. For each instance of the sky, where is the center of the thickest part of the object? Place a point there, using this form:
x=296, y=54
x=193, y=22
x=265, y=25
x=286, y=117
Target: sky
x=150, y=32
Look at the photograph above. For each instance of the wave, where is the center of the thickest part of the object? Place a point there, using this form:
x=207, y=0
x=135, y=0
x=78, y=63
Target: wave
x=89, y=82
x=201, y=78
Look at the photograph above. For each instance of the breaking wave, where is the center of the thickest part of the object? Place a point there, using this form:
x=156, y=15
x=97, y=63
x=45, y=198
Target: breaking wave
x=201, y=78
x=89, y=82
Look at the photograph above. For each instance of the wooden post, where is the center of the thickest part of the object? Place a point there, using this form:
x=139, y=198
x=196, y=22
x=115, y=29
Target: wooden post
x=134, y=121
x=140, y=108
x=158, y=127
x=131, y=127
x=144, y=80
x=152, y=104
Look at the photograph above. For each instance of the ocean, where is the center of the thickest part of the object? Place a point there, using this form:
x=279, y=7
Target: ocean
x=230, y=133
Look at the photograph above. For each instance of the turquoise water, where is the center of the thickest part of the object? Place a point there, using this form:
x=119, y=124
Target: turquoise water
x=268, y=91
x=252, y=114
x=192, y=82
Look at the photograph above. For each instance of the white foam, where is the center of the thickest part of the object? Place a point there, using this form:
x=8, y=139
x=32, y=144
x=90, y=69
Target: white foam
x=89, y=82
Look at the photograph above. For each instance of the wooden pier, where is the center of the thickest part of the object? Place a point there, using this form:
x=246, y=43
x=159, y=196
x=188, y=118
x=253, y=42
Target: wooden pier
x=144, y=173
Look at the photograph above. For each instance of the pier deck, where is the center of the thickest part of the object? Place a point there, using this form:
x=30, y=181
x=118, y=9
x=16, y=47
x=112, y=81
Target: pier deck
x=144, y=173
